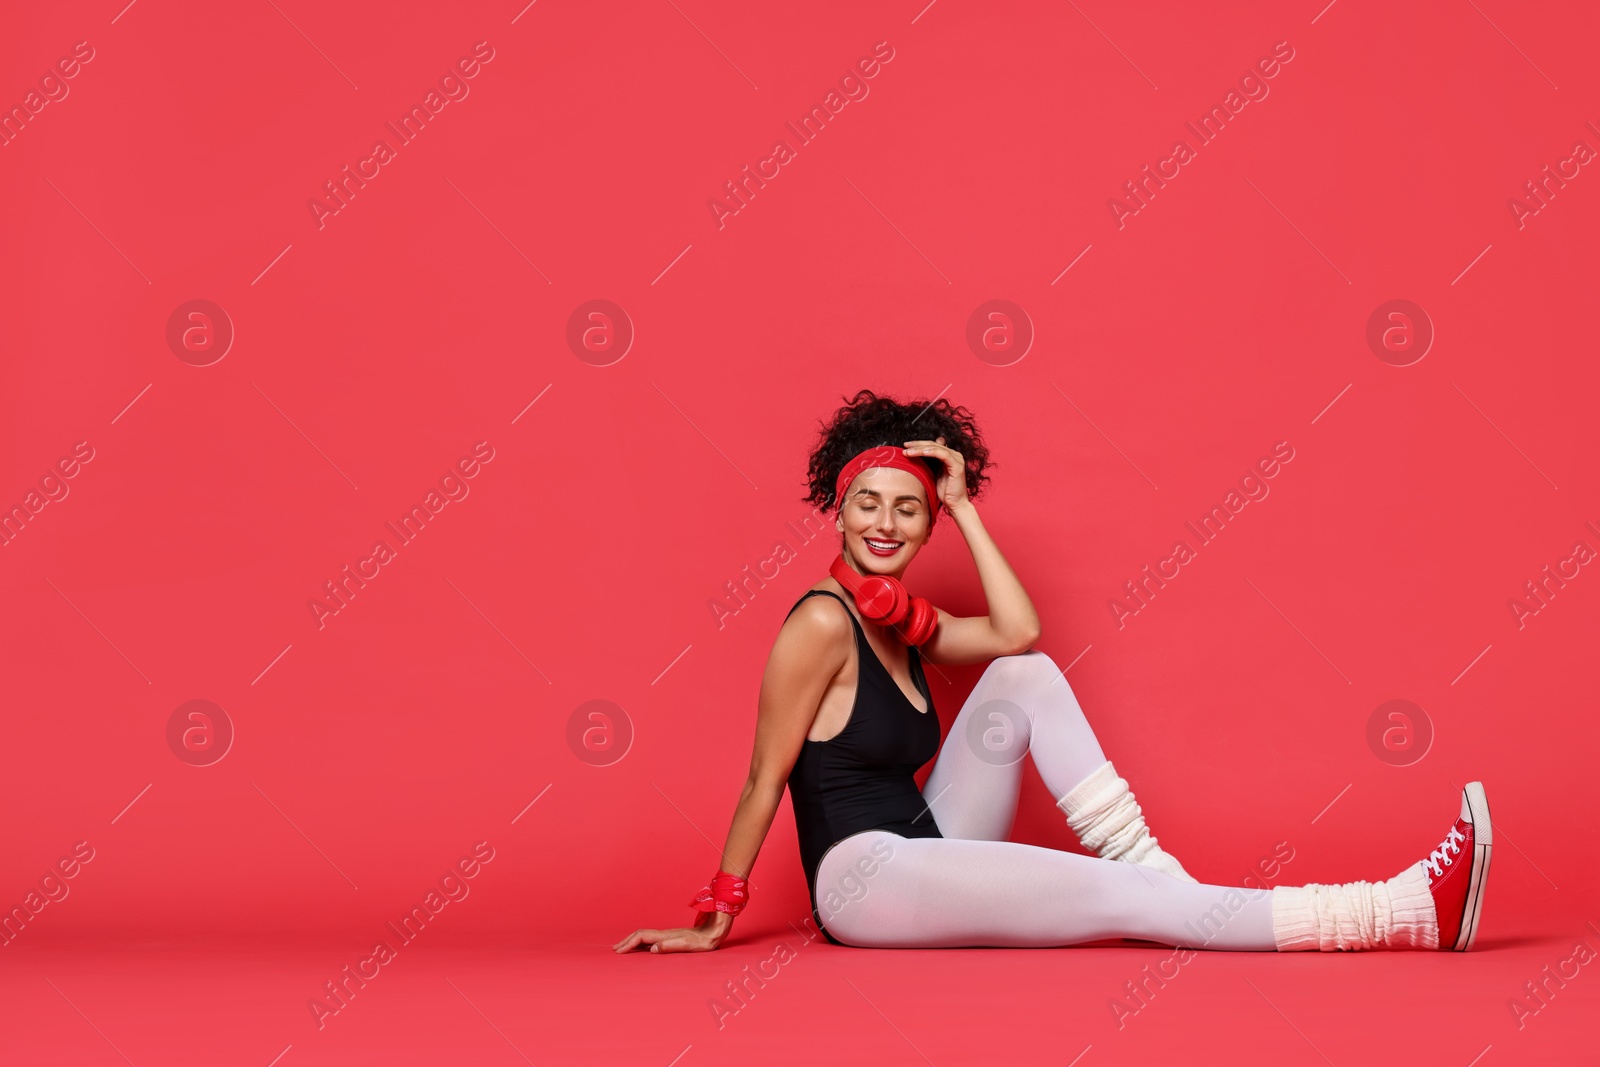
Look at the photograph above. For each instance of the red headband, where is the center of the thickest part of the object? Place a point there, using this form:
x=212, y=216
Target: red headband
x=886, y=456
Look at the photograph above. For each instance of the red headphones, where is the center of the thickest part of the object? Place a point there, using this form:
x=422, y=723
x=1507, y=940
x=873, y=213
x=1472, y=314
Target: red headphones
x=884, y=599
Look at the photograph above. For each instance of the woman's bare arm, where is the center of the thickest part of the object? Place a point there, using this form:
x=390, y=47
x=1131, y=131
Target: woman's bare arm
x=1012, y=625
x=811, y=648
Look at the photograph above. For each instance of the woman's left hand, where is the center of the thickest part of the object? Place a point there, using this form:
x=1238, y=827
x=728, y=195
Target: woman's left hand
x=951, y=486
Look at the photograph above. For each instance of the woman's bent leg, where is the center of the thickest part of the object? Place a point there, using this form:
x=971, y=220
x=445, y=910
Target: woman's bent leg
x=880, y=890
x=1023, y=705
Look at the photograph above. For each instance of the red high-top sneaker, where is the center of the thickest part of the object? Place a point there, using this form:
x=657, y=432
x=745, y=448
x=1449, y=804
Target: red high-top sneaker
x=1458, y=869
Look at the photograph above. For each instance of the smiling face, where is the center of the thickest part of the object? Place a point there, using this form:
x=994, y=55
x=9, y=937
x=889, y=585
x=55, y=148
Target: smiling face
x=884, y=520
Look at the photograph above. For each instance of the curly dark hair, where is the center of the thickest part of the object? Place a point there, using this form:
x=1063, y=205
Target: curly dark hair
x=869, y=420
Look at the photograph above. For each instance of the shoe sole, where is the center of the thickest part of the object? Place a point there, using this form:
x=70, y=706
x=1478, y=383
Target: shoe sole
x=1482, y=845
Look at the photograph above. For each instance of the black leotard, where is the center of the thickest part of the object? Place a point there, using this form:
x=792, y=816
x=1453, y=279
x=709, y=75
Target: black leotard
x=861, y=778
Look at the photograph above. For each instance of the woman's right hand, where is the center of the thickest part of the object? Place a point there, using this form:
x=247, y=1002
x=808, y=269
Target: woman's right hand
x=709, y=930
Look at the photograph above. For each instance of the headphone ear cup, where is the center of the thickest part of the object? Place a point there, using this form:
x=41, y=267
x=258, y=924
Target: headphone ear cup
x=881, y=599
x=921, y=621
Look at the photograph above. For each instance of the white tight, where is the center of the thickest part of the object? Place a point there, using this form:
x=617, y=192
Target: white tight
x=972, y=887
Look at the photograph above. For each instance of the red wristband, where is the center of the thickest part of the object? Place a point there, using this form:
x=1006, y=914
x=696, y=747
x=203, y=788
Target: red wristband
x=727, y=892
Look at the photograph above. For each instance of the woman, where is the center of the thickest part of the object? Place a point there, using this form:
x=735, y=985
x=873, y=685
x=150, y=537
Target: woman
x=846, y=719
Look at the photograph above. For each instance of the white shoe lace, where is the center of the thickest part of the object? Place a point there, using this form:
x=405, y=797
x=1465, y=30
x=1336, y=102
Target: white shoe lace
x=1445, y=854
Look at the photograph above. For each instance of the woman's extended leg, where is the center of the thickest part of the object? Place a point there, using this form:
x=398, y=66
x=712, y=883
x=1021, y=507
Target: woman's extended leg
x=880, y=890
x=1023, y=704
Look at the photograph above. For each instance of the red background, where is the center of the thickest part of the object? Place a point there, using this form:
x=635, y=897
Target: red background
x=374, y=351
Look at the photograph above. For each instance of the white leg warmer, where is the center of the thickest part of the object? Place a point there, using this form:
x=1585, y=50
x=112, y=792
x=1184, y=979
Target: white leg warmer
x=1102, y=812
x=1396, y=913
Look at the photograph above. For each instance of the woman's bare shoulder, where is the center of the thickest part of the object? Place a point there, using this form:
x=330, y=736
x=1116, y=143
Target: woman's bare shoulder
x=817, y=629
x=819, y=615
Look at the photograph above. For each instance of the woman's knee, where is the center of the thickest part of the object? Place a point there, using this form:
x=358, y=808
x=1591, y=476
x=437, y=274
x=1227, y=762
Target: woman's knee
x=1024, y=670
